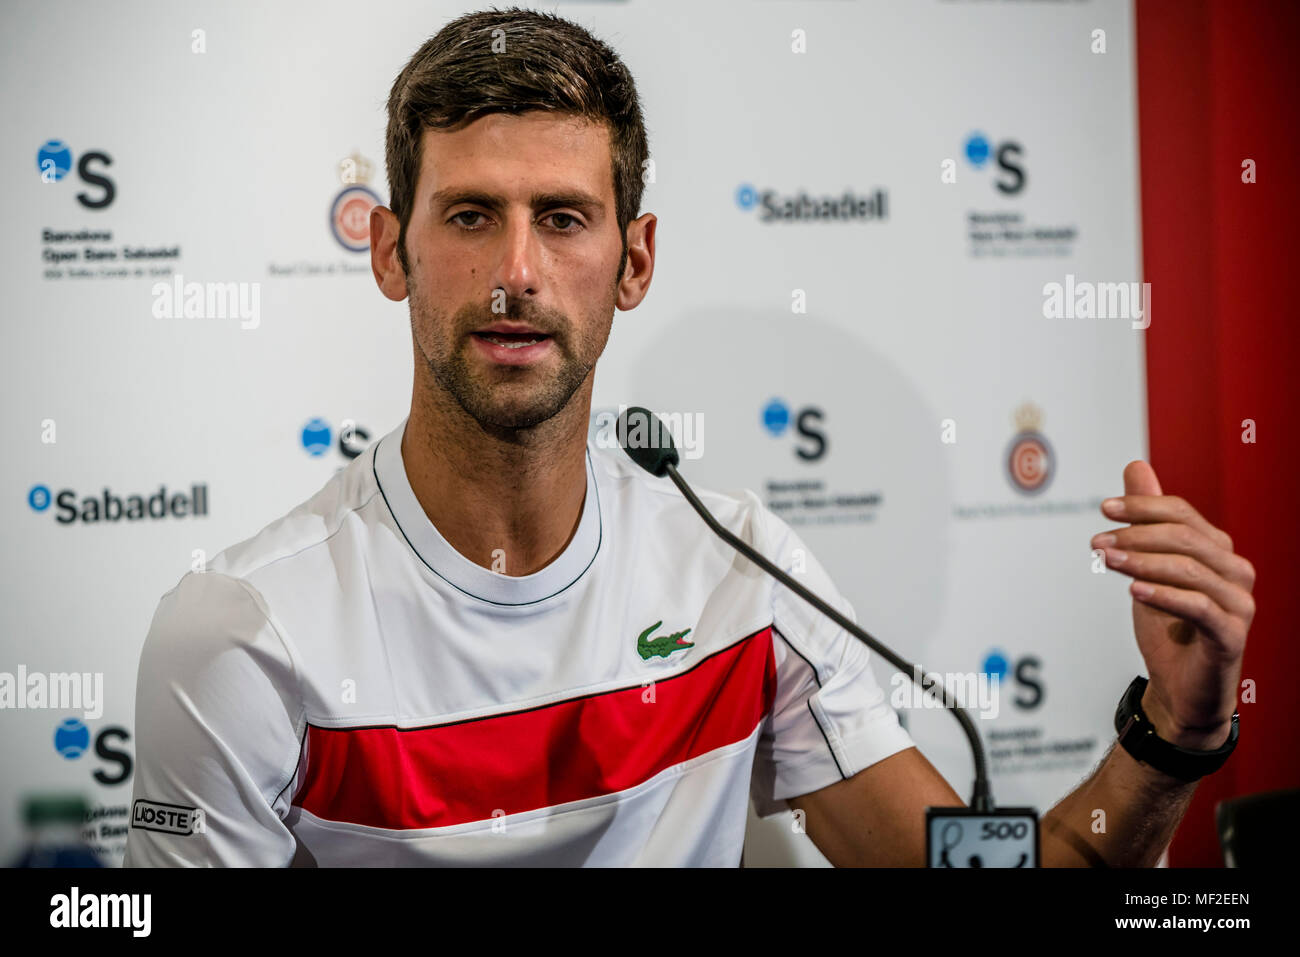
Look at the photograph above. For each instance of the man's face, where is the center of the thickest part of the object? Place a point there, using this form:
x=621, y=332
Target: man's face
x=513, y=224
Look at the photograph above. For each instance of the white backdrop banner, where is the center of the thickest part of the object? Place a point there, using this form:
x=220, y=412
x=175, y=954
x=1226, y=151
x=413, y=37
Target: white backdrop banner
x=897, y=287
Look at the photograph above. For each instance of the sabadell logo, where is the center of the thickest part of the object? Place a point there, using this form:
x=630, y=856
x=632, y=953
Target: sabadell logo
x=108, y=507
x=845, y=208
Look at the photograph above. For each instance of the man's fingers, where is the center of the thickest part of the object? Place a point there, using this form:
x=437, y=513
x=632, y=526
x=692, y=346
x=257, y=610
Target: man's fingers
x=1227, y=631
x=1167, y=537
x=1164, y=508
x=1185, y=572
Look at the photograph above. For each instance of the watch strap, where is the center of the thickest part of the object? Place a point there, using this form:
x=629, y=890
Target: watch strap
x=1138, y=737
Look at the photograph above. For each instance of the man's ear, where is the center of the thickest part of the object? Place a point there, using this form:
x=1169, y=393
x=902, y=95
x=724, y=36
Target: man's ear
x=385, y=232
x=640, y=266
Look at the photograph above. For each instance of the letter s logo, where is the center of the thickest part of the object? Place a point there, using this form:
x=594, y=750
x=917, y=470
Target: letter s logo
x=808, y=431
x=95, y=179
x=1027, y=677
x=1007, y=152
x=113, y=755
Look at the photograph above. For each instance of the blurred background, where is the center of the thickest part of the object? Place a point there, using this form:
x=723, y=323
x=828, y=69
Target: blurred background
x=918, y=384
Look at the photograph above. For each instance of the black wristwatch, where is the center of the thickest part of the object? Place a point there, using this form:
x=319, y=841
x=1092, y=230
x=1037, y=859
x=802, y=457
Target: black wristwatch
x=1139, y=738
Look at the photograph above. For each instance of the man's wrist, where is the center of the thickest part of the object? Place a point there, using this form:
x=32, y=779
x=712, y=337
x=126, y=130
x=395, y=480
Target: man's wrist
x=1194, y=739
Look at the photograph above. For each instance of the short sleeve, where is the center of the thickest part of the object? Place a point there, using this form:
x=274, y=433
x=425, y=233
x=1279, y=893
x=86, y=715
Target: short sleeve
x=219, y=725
x=830, y=718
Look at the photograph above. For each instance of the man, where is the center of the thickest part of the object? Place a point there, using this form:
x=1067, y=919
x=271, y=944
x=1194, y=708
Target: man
x=489, y=641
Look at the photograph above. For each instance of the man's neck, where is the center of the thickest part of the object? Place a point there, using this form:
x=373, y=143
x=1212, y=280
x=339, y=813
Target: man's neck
x=508, y=503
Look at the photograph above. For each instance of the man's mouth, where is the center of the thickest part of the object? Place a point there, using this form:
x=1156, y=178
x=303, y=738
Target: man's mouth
x=509, y=343
x=512, y=340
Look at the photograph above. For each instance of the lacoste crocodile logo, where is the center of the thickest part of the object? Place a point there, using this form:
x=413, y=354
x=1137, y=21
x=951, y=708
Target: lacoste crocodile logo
x=664, y=645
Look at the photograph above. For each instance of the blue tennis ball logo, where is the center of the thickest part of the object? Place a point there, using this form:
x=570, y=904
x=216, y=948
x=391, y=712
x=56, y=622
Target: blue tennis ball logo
x=316, y=437
x=54, y=160
x=71, y=738
x=776, y=416
x=977, y=149
x=995, y=665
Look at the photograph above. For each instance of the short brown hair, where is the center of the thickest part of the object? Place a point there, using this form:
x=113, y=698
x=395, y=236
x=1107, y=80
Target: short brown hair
x=548, y=63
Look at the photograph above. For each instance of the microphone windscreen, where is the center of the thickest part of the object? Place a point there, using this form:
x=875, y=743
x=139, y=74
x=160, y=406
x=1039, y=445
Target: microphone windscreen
x=646, y=440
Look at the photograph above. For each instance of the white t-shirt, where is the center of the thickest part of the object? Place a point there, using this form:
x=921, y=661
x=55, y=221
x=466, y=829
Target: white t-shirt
x=345, y=688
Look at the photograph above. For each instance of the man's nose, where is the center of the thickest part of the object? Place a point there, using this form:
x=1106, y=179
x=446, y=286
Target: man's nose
x=516, y=272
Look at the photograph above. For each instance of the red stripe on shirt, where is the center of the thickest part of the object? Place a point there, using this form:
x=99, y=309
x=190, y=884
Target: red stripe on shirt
x=568, y=751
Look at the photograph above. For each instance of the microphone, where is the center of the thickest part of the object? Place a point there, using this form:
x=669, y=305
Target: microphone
x=658, y=456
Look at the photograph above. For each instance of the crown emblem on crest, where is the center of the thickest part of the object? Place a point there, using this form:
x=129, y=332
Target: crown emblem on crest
x=355, y=169
x=1028, y=417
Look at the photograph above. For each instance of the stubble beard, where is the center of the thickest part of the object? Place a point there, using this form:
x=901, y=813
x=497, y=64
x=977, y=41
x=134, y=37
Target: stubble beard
x=505, y=399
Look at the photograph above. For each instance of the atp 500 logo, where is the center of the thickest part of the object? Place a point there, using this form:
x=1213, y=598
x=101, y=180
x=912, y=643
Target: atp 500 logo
x=72, y=740
x=779, y=418
x=317, y=437
x=1024, y=671
x=1007, y=155
x=54, y=160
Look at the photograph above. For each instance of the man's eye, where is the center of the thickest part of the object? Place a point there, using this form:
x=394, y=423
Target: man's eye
x=468, y=212
x=570, y=218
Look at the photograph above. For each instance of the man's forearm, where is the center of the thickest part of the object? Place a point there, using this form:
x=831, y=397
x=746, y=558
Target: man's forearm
x=1123, y=816
x=1126, y=813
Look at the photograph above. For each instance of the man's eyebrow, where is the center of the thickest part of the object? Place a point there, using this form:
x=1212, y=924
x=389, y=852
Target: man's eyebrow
x=576, y=198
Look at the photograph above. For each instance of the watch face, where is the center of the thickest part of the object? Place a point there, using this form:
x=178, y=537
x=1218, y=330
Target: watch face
x=1130, y=707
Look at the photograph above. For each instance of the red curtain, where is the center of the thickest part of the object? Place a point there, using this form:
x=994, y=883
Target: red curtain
x=1218, y=85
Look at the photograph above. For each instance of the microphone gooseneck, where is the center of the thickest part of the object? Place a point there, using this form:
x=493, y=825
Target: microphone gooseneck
x=655, y=452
